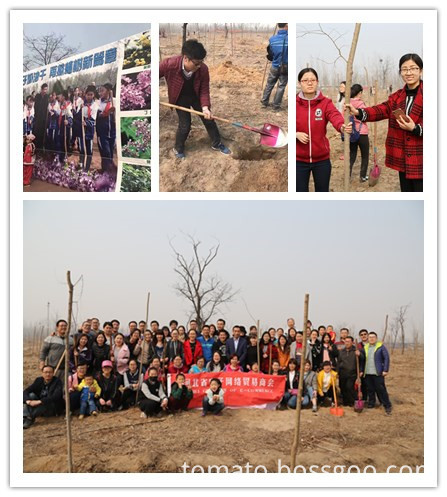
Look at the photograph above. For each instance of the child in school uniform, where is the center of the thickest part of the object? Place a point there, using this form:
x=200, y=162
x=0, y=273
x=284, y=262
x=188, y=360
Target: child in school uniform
x=28, y=159
x=89, y=113
x=90, y=391
x=106, y=127
x=54, y=111
x=76, y=132
x=65, y=123
x=28, y=116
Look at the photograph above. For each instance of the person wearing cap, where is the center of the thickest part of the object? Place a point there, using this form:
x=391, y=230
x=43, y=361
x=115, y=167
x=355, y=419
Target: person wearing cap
x=110, y=397
x=154, y=399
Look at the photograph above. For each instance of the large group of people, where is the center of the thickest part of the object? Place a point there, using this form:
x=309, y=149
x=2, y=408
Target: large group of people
x=65, y=121
x=111, y=370
x=404, y=142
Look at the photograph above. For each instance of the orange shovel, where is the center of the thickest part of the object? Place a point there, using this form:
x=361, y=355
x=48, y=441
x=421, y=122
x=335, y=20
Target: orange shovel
x=336, y=411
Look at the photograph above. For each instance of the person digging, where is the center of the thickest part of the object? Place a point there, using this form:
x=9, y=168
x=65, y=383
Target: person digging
x=188, y=81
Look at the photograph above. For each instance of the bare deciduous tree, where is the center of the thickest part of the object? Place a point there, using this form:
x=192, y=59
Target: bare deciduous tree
x=45, y=49
x=400, y=320
x=205, y=293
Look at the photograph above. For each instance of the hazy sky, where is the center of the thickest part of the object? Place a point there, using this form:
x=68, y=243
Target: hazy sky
x=376, y=41
x=359, y=260
x=87, y=36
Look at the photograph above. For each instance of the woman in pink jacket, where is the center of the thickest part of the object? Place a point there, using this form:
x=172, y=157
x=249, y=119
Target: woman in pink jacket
x=121, y=354
x=313, y=112
x=363, y=141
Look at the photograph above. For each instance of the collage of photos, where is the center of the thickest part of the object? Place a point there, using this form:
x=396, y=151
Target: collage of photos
x=265, y=312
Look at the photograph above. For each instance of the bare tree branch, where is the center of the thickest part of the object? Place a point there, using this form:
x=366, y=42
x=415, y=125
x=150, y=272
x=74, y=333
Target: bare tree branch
x=46, y=49
x=206, y=293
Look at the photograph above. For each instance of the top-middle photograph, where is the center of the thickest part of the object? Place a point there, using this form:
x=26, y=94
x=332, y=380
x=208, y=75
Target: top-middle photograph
x=223, y=107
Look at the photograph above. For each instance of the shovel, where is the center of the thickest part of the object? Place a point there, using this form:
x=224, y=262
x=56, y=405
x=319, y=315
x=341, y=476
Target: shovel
x=358, y=404
x=271, y=135
x=336, y=411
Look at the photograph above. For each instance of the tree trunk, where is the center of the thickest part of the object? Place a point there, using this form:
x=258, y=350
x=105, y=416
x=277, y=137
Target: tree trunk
x=296, y=437
x=184, y=32
x=67, y=395
x=349, y=66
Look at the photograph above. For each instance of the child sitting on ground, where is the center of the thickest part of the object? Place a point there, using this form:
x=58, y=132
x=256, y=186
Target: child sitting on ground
x=181, y=395
x=90, y=391
x=213, y=400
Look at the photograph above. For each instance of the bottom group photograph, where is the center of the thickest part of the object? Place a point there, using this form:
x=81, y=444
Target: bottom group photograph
x=222, y=337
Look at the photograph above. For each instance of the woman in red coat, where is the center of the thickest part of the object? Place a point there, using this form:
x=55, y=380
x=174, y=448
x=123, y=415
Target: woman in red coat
x=192, y=349
x=403, y=109
x=313, y=113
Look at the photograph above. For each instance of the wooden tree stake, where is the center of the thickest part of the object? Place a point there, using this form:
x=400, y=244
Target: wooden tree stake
x=67, y=395
x=296, y=436
x=349, y=66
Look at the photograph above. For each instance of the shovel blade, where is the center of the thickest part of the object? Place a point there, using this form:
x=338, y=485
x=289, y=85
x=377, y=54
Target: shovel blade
x=359, y=405
x=337, y=411
x=273, y=136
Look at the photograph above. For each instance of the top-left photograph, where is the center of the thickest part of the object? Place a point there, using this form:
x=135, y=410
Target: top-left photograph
x=86, y=107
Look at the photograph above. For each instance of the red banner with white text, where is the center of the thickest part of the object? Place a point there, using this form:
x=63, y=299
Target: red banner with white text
x=240, y=389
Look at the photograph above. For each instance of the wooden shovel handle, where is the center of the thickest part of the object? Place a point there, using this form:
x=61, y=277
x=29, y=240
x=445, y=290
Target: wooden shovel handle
x=192, y=111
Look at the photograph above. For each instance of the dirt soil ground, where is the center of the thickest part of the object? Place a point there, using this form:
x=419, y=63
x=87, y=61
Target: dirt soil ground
x=263, y=437
x=236, y=75
x=389, y=178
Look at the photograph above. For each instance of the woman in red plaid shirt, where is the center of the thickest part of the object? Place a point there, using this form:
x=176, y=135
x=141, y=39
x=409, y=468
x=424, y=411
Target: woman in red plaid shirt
x=403, y=109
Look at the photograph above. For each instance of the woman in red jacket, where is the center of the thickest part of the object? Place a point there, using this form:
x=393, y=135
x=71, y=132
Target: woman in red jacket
x=403, y=109
x=192, y=349
x=268, y=352
x=313, y=112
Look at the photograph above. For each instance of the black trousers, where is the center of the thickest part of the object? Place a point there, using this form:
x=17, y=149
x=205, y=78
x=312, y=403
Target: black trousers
x=376, y=385
x=50, y=409
x=347, y=387
x=363, y=145
x=129, y=398
x=321, y=172
x=150, y=407
x=184, y=123
x=410, y=185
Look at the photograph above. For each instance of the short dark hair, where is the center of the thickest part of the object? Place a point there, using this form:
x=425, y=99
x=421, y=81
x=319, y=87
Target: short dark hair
x=411, y=56
x=45, y=85
x=115, y=321
x=222, y=320
x=58, y=322
x=48, y=366
x=173, y=321
x=193, y=49
x=107, y=323
x=130, y=322
x=306, y=70
x=372, y=333
x=90, y=88
x=327, y=363
x=363, y=331
x=350, y=337
x=282, y=24
x=154, y=321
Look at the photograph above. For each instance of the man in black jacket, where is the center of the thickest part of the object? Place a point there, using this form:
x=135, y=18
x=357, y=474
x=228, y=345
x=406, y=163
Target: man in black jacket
x=347, y=370
x=43, y=397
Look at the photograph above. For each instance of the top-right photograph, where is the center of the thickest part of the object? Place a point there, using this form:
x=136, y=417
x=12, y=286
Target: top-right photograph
x=359, y=107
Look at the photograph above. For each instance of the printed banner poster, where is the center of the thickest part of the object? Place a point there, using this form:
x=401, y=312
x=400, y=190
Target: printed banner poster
x=240, y=389
x=87, y=119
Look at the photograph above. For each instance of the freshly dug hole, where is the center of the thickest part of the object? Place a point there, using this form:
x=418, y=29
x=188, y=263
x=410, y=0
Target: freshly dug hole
x=254, y=153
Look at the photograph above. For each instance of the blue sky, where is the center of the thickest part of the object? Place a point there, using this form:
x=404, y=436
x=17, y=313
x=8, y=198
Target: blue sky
x=359, y=260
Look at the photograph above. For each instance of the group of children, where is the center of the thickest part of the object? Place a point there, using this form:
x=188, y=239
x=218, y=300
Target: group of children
x=113, y=371
x=71, y=119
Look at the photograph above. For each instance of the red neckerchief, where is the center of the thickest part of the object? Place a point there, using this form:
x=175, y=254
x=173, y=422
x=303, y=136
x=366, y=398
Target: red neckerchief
x=107, y=108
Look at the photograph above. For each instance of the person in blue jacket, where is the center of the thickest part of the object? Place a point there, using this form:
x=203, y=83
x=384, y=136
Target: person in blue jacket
x=207, y=342
x=278, y=54
x=376, y=367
